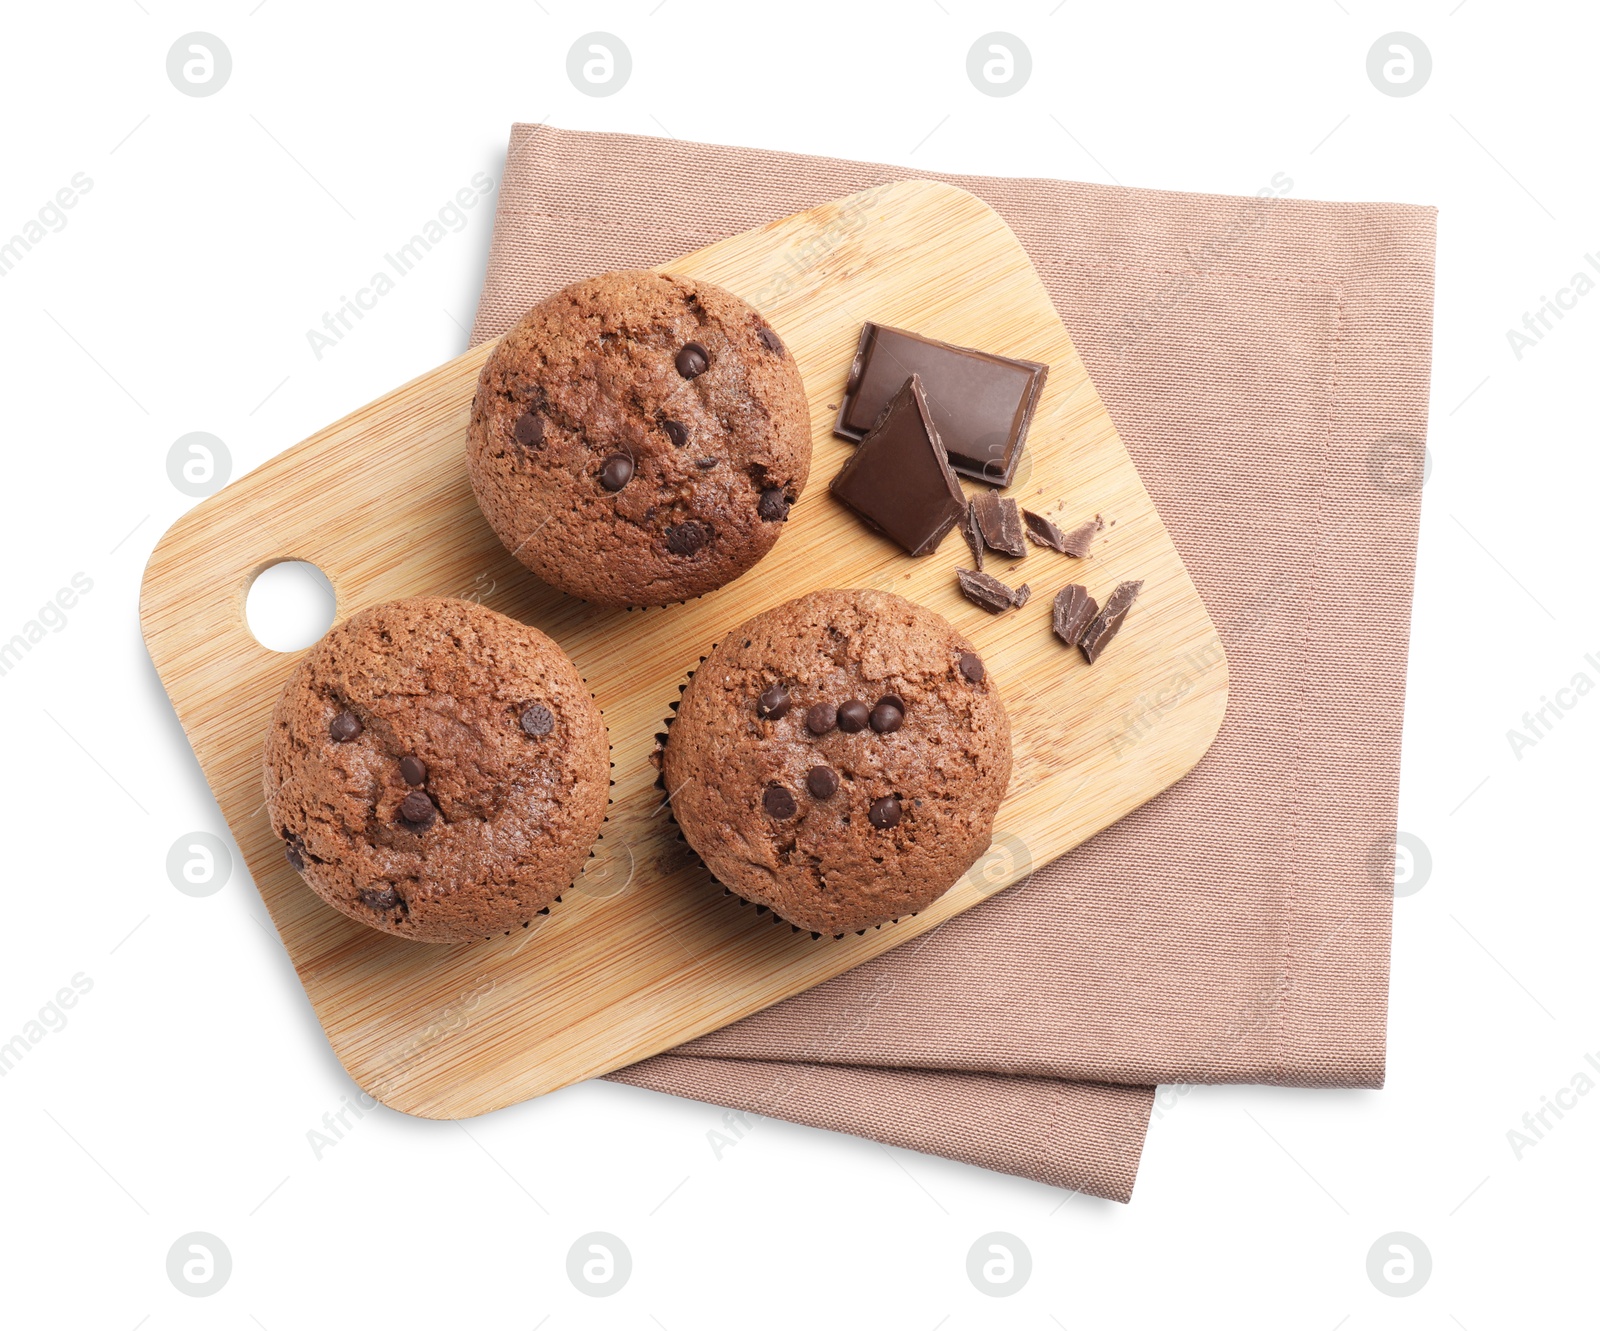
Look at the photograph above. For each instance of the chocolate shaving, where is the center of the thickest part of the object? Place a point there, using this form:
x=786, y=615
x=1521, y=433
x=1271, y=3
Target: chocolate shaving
x=981, y=589
x=1071, y=613
x=1000, y=524
x=1077, y=541
x=1095, y=639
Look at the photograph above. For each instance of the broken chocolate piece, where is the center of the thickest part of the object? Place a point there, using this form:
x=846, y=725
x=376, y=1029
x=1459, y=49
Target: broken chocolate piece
x=1019, y=598
x=981, y=589
x=1000, y=524
x=981, y=403
x=1099, y=634
x=1071, y=613
x=973, y=534
x=898, y=480
x=1041, y=531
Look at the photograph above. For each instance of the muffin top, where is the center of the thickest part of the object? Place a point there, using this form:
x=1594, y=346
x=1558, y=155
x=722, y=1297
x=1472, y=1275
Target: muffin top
x=639, y=438
x=436, y=770
x=839, y=759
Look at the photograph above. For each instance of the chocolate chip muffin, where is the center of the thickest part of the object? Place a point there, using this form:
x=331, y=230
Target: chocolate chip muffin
x=436, y=770
x=638, y=439
x=839, y=759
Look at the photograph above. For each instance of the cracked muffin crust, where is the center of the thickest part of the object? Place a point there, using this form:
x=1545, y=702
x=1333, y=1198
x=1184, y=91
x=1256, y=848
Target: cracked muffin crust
x=436, y=770
x=638, y=438
x=839, y=759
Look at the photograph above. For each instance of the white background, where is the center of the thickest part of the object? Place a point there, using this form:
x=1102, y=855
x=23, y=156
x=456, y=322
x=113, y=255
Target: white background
x=179, y=1094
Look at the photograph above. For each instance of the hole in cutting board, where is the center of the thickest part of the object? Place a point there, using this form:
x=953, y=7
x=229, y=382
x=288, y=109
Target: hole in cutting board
x=289, y=605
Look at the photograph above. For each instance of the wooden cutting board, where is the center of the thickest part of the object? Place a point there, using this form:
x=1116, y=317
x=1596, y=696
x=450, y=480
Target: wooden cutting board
x=644, y=952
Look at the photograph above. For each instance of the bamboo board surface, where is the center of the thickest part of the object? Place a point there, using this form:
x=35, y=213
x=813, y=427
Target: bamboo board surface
x=644, y=952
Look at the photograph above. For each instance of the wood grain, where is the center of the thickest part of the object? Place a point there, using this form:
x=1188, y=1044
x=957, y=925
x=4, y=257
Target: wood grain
x=644, y=952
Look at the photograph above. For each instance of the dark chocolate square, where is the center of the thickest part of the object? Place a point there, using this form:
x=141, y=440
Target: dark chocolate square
x=980, y=403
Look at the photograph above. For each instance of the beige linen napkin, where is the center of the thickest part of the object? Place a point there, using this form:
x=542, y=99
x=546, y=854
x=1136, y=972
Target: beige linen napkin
x=1266, y=362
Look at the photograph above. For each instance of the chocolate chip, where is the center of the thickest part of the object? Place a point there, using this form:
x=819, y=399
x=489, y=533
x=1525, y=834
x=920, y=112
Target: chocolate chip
x=529, y=430
x=378, y=898
x=687, y=537
x=773, y=506
x=676, y=432
x=971, y=668
x=537, y=720
x=706, y=464
x=291, y=852
x=773, y=704
x=692, y=360
x=417, y=809
x=616, y=471
x=779, y=802
x=853, y=716
x=884, y=813
x=822, y=718
x=344, y=727
x=770, y=340
x=822, y=782
x=413, y=771
x=886, y=717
